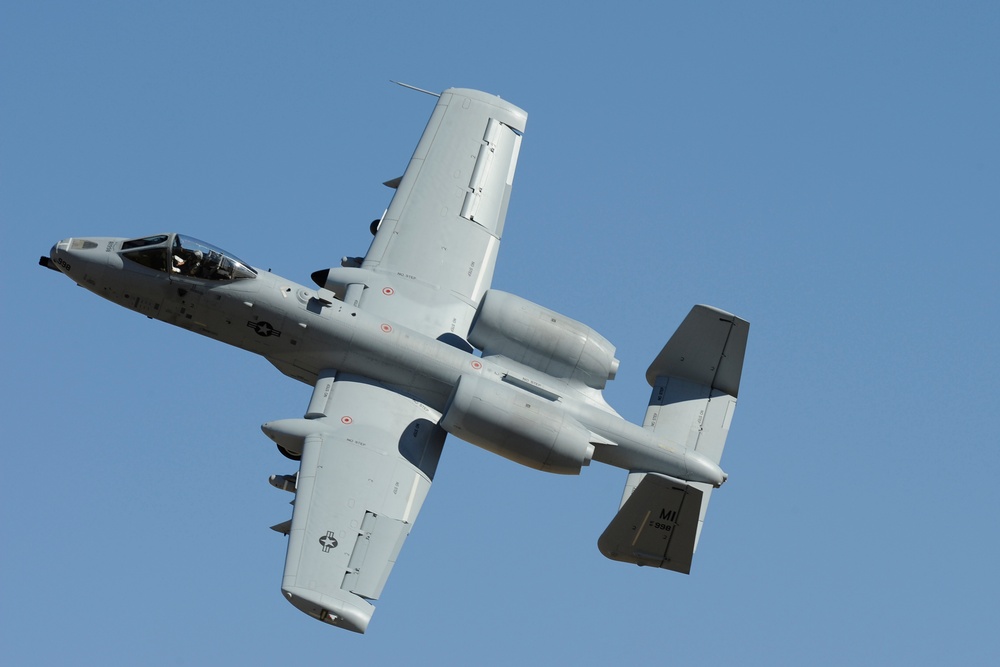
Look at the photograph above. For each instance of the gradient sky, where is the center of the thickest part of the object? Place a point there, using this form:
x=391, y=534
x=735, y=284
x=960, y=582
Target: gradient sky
x=828, y=171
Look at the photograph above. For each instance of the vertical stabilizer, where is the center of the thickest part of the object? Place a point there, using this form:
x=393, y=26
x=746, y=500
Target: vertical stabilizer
x=656, y=525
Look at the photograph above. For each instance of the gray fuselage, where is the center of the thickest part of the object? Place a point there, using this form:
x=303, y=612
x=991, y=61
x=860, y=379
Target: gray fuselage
x=305, y=332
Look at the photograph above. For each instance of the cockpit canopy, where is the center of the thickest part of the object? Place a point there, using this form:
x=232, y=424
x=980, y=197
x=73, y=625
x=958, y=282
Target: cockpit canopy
x=181, y=255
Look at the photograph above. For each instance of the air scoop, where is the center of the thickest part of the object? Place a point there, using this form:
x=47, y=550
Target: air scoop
x=338, y=279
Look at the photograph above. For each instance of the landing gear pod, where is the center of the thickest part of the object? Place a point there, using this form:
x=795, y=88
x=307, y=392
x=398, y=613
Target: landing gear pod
x=519, y=426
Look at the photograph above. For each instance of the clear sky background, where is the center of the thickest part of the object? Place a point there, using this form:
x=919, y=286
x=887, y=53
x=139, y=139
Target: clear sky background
x=829, y=171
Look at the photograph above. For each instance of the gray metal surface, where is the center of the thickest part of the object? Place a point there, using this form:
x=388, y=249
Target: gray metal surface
x=388, y=344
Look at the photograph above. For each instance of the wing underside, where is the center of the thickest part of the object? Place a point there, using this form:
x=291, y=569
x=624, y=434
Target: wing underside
x=367, y=465
x=436, y=246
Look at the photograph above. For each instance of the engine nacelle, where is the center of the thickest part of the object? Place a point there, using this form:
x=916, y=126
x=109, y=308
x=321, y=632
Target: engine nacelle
x=517, y=425
x=542, y=339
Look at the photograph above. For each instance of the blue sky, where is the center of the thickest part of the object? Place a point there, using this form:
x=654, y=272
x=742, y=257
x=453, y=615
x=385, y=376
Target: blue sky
x=829, y=172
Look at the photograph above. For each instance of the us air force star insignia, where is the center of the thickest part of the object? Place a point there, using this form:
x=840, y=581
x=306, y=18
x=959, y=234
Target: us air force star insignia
x=328, y=541
x=264, y=329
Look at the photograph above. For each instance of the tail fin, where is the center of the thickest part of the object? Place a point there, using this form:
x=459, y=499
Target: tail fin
x=657, y=523
x=695, y=380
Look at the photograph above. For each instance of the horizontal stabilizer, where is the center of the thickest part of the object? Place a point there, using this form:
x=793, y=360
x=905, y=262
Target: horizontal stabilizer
x=657, y=525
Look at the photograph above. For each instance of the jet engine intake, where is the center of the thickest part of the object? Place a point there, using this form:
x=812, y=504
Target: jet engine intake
x=517, y=425
x=527, y=333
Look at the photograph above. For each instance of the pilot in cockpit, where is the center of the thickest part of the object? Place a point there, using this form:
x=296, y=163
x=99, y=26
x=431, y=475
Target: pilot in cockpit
x=193, y=262
x=178, y=257
x=184, y=261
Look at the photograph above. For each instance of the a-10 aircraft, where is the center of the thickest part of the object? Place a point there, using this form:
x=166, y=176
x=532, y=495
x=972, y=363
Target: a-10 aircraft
x=389, y=343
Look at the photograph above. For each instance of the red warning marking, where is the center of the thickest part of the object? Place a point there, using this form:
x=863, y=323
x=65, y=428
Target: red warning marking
x=388, y=291
x=346, y=420
x=477, y=365
x=386, y=328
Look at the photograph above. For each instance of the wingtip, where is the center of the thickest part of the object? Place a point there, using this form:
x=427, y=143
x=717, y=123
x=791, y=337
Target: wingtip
x=330, y=610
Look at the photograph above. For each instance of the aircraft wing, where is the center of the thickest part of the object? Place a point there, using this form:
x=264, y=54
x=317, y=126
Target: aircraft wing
x=368, y=460
x=369, y=453
x=433, y=256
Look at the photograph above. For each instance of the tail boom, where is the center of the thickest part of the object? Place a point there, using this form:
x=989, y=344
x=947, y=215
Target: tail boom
x=695, y=381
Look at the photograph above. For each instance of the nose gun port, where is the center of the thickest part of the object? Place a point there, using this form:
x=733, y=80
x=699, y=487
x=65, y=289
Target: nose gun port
x=46, y=261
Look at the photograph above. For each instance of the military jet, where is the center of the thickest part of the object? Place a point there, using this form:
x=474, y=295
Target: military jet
x=408, y=344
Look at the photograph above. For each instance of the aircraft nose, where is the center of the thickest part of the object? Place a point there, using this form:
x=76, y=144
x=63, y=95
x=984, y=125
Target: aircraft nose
x=77, y=257
x=74, y=244
x=65, y=253
x=57, y=260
